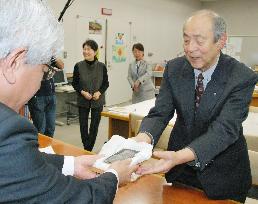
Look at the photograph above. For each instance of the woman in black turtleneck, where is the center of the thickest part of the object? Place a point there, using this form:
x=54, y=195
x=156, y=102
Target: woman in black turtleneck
x=90, y=80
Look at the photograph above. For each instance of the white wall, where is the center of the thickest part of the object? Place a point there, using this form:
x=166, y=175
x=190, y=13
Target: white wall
x=242, y=20
x=155, y=23
x=241, y=15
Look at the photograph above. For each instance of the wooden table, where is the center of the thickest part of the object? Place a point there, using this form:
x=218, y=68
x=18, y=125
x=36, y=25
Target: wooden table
x=60, y=147
x=150, y=189
x=118, y=124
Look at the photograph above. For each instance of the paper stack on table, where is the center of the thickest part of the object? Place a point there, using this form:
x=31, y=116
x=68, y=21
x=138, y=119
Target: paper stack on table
x=126, y=110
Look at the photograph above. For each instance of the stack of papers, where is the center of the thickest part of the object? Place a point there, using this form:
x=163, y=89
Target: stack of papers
x=141, y=108
x=126, y=110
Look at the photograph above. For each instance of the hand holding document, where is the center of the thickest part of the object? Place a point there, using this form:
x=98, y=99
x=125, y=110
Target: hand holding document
x=119, y=148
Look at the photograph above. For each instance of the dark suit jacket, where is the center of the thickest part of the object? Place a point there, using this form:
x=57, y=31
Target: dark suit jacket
x=214, y=132
x=29, y=176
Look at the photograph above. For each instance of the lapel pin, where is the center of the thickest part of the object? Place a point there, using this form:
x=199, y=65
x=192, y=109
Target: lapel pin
x=214, y=94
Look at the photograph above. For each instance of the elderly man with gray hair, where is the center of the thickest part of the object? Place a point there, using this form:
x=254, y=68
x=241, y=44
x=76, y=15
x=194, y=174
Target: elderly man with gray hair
x=29, y=36
x=210, y=92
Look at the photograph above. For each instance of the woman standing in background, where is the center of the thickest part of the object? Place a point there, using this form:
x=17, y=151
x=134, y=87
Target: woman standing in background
x=139, y=76
x=90, y=80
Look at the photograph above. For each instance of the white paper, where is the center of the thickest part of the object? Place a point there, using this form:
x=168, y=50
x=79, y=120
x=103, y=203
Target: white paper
x=117, y=143
x=48, y=150
x=141, y=109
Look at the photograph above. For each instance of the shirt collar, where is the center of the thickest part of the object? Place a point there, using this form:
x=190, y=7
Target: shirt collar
x=208, y=73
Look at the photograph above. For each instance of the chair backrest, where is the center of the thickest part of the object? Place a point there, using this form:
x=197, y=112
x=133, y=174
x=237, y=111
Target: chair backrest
x=253, y=109
x=252, y=142
x=163, y=140
x=250, y=129
x=133, y=117
x=253, y=156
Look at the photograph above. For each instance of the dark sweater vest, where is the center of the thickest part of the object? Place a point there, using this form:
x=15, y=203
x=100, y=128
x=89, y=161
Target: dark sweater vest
x=91, y=78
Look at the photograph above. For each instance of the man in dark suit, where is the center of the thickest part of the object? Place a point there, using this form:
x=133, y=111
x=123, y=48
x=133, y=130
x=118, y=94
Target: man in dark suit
x=30, y=36
x=210, y=93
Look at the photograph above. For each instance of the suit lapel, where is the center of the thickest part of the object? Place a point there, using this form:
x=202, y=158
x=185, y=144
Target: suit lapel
x=142, y=67
x=187, y=92
x=213, y=91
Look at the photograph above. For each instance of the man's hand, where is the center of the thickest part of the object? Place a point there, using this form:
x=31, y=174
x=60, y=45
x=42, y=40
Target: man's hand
x=59, y=64
x=83, y=164
x=86, y=95
x=168, y=160
x=96, y=96
x=124, y=170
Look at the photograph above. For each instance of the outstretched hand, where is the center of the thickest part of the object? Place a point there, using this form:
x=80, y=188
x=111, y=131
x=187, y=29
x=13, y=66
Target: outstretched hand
x=164, y=164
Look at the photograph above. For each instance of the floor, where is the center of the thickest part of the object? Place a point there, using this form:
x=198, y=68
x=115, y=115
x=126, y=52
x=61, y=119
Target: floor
x=71, y=133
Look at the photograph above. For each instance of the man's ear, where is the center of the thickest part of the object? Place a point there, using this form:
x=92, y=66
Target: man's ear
x=223, y=40
x=12, y=63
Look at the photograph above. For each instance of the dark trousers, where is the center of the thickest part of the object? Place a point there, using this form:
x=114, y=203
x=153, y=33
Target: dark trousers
x=189, y=177
x=43, y=113
x=88, y=136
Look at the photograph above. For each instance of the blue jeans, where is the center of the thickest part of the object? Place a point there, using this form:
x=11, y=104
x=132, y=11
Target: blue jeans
x=43, y=113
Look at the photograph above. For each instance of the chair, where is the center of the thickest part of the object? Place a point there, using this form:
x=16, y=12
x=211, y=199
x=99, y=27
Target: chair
x=250, y=129
x=163, y=140
x=253, y=156
x=251, y=201
x=133, y=118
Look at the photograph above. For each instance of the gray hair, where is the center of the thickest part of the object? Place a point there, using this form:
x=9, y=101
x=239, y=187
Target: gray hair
x=219, y=27
x=219, y=24
x=30, y=24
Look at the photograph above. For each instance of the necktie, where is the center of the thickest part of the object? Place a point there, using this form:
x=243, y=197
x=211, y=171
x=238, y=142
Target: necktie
x=137, y=68
x=199, y=90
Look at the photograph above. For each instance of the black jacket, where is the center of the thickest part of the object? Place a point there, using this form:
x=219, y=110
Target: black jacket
x=215, y=131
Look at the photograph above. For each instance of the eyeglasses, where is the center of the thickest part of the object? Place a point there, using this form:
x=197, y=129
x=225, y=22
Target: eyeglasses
x=49, y=72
